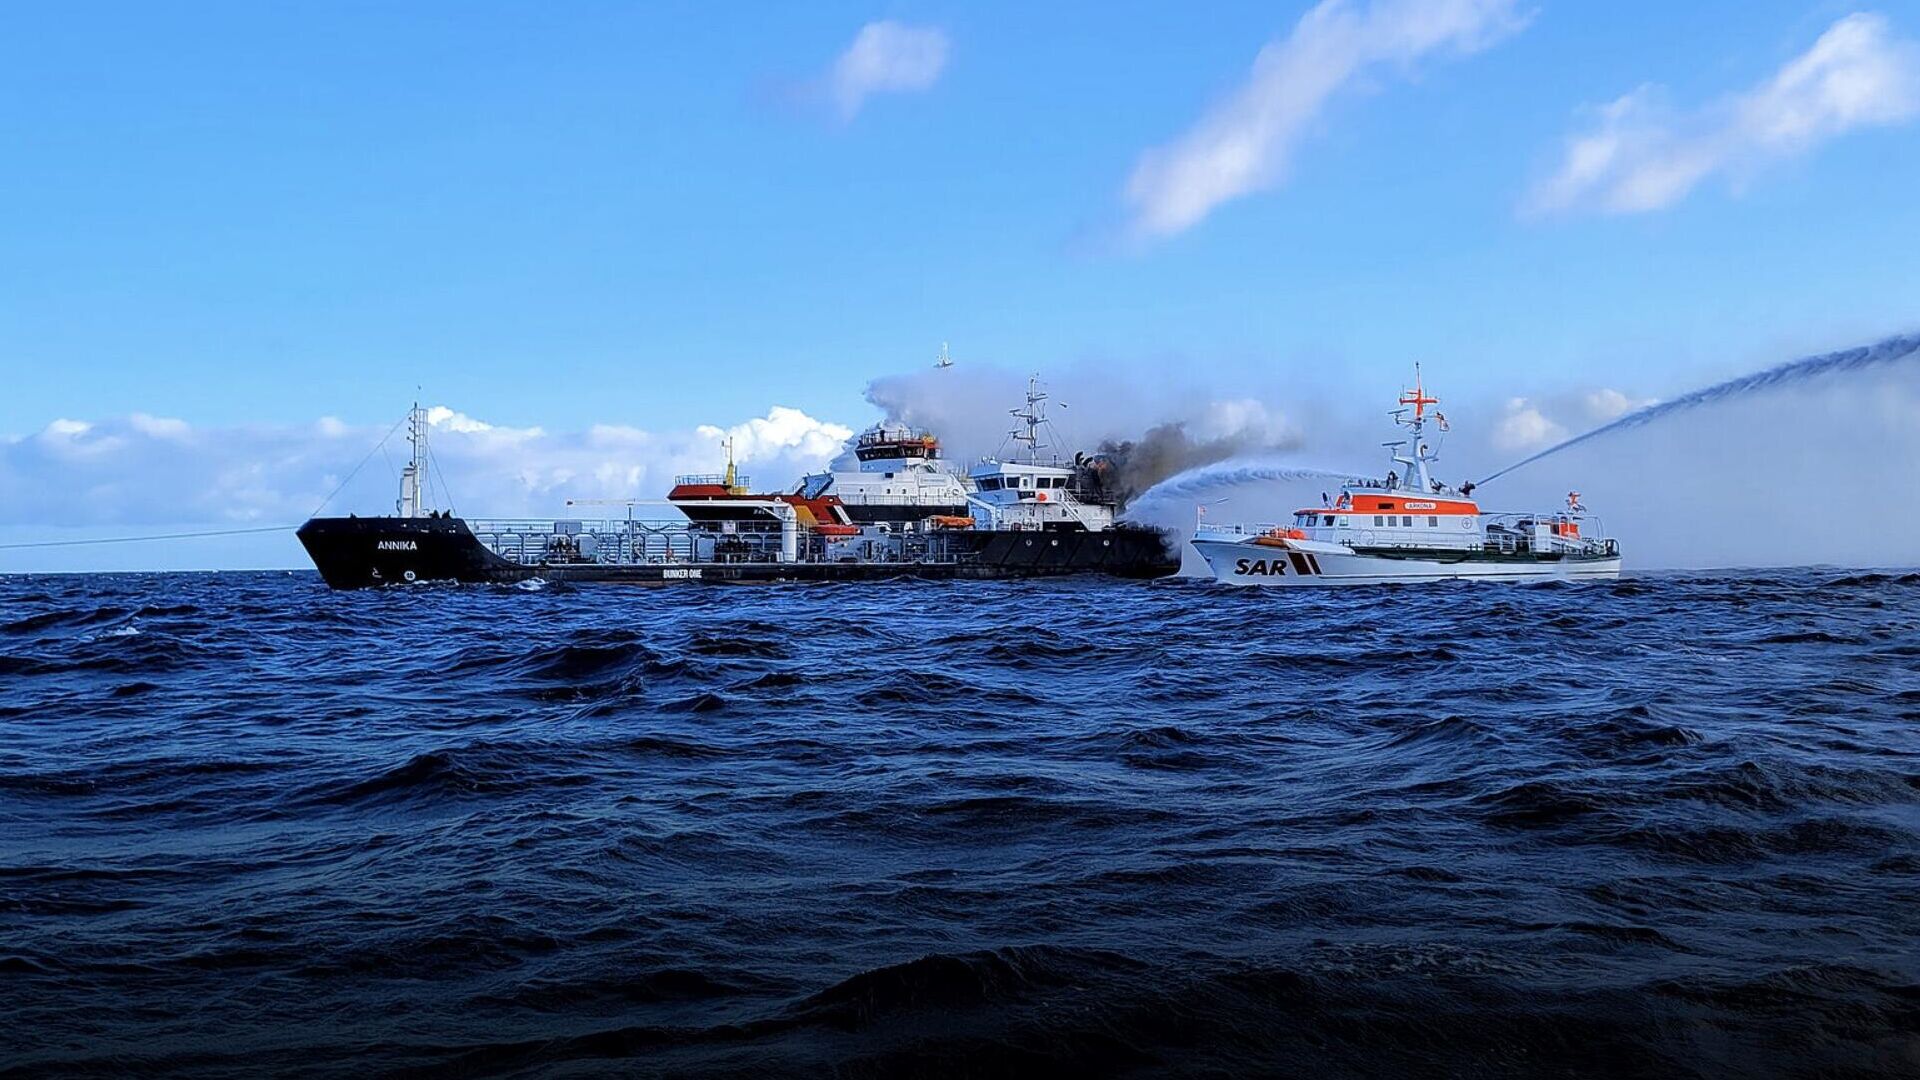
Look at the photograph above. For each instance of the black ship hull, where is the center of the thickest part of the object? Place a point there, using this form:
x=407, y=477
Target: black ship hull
x=356, y=552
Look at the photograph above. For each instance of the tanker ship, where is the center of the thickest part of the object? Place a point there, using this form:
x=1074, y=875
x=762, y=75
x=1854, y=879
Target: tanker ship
x=900, y=514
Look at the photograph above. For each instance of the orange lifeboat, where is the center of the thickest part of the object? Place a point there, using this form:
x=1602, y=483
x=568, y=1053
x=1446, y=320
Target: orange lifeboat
x=950, y=521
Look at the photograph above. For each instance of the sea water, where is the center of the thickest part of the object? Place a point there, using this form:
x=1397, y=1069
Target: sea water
x=1665, y=826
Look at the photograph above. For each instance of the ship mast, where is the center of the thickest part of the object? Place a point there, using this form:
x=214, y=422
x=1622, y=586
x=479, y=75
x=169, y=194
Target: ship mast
x=730, y=481
x=413, y=478
x=1031, y=417
x=1418, y=478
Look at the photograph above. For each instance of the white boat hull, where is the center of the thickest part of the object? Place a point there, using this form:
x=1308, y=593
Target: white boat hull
x=1310, y=563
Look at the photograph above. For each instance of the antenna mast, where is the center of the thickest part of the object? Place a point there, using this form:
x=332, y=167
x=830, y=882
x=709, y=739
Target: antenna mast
x=1419, y=477
x=1031, y=418
x=413, y=478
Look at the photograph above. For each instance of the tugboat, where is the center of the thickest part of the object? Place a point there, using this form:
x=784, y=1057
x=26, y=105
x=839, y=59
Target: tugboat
x=732, y=535
x=1410, y=528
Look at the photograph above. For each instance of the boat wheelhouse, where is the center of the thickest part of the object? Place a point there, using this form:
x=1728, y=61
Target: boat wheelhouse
x=1039, y=493
x=900, y=479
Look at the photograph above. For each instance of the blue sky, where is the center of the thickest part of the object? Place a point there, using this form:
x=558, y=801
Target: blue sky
x=665, y=215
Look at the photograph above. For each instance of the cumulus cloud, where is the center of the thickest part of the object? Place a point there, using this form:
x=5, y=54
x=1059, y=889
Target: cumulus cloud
x=159, y=427
x=886, y=57
x=142, y=470
x=1524, y=427
x=1524, y=424
x=1641, y=154
x=783, y=431
x=1245, y=142
x=1607, y=404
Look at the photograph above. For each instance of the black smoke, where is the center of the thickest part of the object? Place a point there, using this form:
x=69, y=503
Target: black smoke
x=1122, y=469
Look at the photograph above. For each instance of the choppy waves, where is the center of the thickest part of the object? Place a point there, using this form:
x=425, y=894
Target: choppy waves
x=1668, y=826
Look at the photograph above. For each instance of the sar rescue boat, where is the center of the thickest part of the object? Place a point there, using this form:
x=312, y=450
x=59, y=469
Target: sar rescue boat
x=1410, y=527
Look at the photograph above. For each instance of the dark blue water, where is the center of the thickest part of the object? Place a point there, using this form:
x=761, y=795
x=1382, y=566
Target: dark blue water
x=1664, y=827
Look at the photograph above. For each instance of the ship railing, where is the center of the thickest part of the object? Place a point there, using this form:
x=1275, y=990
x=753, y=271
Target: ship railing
x=861, y=498
x=548, y=541
x=719, y=479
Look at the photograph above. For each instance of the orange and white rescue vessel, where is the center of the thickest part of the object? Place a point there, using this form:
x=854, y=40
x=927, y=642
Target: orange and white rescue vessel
x=1409, y=527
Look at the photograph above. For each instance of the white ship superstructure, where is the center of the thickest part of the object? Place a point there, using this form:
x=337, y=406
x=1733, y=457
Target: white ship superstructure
x=1409, y=527
x=1036, y=493
x=900, y=478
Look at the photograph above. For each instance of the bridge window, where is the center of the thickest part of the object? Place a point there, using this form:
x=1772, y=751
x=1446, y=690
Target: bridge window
x=1378, y=520
x=1327, y=520
x=1433, y=522
x=1406, y=521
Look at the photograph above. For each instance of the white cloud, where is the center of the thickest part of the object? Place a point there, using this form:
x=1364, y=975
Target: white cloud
x=886, y=57
x=440, y=416
x=782, y=430
x=1524, y=427
x=160, y=427
x=1246, y=141
x=1607, y=404
x=1249, y=420
x=1643, y=155
x=139, y=470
